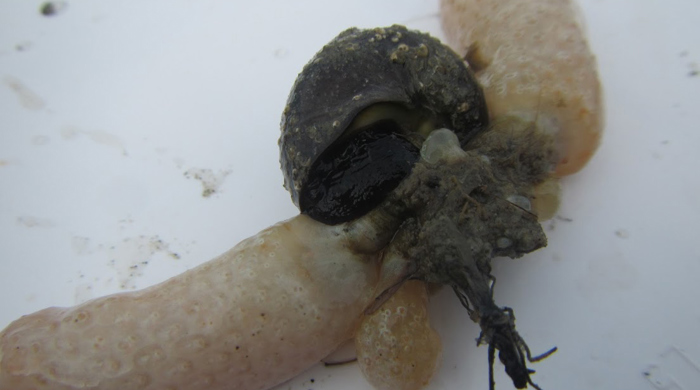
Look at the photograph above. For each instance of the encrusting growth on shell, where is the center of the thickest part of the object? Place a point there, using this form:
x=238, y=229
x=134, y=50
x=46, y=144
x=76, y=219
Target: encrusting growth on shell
x=533, y=61
x=362, y=68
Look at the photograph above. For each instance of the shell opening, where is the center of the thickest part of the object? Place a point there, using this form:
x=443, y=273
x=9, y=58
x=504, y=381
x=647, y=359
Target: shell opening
x=352, y=177
x=361, y=82
x=368, y=160
x=415, y=123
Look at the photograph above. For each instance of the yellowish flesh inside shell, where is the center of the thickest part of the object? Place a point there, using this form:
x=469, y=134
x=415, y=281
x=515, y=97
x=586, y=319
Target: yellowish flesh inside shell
x=412, y=121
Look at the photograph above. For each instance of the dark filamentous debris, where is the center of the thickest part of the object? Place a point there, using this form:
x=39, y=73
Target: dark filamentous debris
x=459, y=213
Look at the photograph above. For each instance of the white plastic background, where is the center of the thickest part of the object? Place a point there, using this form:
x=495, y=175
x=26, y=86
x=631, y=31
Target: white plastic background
x=107, y=107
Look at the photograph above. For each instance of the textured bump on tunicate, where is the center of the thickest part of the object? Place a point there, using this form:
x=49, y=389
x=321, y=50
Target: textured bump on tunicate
x=396, y=346
x=441, y=145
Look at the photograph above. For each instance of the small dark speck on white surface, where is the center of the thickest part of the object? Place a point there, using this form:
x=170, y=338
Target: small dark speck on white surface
x=53, y=8
x=622, y=233
x=128, y=258
x=23, y=46
x=211, y=181
x=674, y=369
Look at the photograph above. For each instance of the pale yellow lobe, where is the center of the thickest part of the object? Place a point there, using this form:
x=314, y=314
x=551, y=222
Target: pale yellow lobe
x=547, y=197
x=256, y=316
x=397, y=349
x=532, y=58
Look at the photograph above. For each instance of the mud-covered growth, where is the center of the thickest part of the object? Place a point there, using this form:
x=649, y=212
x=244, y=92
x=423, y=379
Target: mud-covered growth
x=459, y=214
x=518, y=151
x=406, y=79
x=471, y=191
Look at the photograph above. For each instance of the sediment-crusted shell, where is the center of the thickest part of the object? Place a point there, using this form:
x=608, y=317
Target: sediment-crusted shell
x=364, y=68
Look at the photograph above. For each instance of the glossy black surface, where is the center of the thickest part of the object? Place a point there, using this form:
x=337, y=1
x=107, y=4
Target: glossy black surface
x=350, y=179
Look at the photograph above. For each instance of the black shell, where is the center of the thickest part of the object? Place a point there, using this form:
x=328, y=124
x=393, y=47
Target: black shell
x=360, y=68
